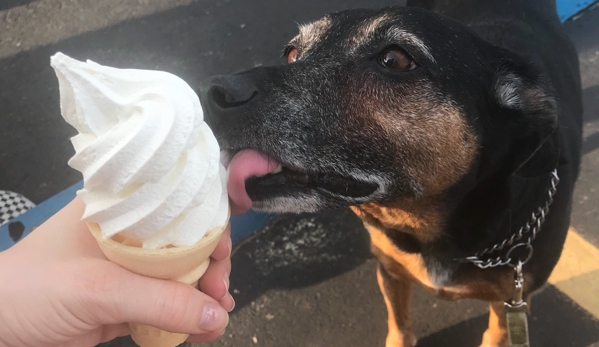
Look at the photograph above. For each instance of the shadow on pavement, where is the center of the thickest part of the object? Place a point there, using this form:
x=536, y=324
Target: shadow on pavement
x=555, y=321
x=6, y=4
x=298, y=251
x=590, y=98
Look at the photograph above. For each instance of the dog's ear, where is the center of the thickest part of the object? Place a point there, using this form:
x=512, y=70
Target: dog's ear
x=528, y=104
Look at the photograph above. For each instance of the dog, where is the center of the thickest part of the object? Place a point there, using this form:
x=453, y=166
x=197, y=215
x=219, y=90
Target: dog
x=444, y=125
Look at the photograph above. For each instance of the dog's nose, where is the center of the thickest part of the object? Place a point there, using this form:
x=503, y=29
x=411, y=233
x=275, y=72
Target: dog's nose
x=222, y=94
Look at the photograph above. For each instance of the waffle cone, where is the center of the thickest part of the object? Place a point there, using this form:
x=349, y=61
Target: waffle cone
x=183, y=264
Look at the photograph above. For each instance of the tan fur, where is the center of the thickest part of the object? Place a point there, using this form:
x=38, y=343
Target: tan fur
x=419, y=217
x=309, y=34
x=491, y=285
x=442, y=145
x=397, y=294
x=397, y=263
x=364, y=33
x=496, y=334
x=432, y=143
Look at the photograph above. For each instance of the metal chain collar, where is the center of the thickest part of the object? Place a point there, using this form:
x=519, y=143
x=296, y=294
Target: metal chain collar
x=530, y=229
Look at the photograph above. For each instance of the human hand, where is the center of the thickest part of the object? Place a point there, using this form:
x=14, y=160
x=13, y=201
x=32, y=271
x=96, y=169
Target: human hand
x=58, y=289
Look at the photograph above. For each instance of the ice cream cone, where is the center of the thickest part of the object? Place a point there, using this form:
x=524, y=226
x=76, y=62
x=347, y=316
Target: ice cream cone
x=183, y=264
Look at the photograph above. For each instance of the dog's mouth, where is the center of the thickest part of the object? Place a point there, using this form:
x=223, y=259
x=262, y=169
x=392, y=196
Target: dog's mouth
x=257, y=177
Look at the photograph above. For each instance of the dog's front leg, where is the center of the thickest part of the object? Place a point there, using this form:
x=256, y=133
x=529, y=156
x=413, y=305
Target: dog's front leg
x=396, y=291
x=496, y=334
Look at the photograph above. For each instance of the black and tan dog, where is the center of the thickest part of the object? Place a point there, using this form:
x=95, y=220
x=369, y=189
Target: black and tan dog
x=441, y=130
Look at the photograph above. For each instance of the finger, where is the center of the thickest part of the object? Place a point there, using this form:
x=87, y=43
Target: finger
x=111, y=332
x=224, y=246
x=167, y=305
x=205, y=337
x=228, y=303
x=215, y=281
x=102, y=334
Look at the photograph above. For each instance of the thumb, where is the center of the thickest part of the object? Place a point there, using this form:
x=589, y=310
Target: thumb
x=168, y=305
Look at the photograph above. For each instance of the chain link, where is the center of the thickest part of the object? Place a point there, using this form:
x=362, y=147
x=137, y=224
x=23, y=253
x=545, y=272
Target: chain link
x=530, y=229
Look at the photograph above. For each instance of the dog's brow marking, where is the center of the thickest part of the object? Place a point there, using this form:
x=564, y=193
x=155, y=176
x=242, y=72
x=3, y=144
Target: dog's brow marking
x=310, y=33
x=366, y=31
x=411, y=39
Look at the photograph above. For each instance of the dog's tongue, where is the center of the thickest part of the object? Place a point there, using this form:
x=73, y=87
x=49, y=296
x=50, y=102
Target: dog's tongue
x=245, y=164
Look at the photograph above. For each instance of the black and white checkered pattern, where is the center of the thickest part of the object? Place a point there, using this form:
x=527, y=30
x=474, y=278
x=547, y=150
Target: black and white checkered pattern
x=12, y=205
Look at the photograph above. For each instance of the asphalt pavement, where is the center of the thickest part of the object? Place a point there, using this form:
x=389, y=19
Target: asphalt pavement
x=305, y=280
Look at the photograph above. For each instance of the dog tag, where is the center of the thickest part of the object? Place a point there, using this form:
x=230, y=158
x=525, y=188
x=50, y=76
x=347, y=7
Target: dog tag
x=517, y=326
x=515, y=311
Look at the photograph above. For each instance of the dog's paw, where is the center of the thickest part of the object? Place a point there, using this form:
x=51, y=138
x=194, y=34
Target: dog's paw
x=413, y=340
x=407, y=340
x=494, y=338
x=493, y=345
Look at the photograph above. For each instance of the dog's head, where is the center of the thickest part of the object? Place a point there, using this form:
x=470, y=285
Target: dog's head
x=375, y=106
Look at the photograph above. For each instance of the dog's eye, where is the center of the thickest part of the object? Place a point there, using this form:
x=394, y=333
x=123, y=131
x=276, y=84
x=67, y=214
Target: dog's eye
x=292, y=55
x=397, y=59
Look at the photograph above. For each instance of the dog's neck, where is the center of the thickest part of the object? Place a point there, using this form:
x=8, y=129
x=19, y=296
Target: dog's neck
x=509, y=200
x=458, y=225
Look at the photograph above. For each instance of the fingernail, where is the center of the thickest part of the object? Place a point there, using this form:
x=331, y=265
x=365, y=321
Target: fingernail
x=227, y=301
x=226, y=281
x=232, y=306
x=223, y=332
x=230, y=245
x=213, y=317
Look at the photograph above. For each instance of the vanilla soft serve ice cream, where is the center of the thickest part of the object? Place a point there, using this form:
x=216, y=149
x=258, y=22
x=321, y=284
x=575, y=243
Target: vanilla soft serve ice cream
x=150, y=163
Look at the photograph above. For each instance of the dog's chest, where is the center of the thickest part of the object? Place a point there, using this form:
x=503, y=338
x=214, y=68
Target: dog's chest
x=432, y=275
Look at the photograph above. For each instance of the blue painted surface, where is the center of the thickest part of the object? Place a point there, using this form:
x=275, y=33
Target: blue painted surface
x=39, y=214
x=241, y=226
x=568, y=8
x=244, y=225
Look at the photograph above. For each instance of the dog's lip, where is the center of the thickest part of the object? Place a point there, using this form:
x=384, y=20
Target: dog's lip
x=290, y=183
